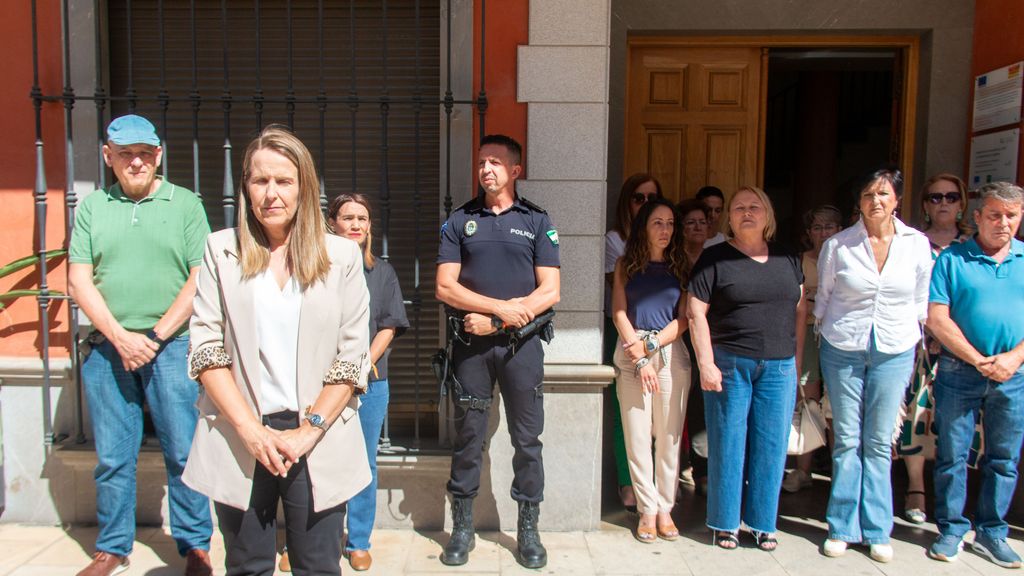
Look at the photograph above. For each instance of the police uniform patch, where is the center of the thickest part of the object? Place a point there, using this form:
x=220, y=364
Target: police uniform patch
x=470, y=228
x=553, y=236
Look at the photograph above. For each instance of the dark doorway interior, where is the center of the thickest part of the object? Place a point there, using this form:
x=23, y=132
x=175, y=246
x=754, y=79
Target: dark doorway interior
x=830, y=118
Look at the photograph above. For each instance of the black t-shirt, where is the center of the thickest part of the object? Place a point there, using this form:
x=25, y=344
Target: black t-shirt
x=386, y=308
x=498, y=252
x=752, y=306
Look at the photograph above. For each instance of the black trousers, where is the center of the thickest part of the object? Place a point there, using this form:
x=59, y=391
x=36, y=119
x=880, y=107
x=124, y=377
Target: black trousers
x=520, y=377
x=250, y=536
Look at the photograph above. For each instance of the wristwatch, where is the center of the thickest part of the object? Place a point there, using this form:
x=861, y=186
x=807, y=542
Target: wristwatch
x=152, y=336
x=317, y=421
x=497, y=322
x=651, y=343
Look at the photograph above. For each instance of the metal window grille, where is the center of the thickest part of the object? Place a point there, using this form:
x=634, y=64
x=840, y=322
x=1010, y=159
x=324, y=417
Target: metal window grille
x=360, y=81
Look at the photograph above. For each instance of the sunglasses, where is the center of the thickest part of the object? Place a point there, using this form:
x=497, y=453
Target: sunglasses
x=640, y=198
x=951, y=198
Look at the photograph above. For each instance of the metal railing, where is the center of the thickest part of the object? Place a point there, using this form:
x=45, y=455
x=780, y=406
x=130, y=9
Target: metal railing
x=311, y=103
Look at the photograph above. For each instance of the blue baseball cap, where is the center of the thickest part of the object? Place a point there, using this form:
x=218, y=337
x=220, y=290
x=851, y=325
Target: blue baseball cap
x=132, y=129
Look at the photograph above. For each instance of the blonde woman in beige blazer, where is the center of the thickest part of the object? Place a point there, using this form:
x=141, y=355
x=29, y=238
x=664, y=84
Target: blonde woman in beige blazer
x=278, y=413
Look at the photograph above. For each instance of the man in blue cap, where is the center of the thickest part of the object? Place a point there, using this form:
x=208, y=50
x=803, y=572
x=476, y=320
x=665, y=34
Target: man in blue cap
x=134, y=255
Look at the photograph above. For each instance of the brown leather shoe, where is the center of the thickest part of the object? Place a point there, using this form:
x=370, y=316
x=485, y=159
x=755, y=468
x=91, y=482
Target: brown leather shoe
x=360, y=560
x=197, y=563
x=105, y=564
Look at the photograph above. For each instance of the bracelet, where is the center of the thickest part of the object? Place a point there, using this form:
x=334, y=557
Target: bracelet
x=641, y=363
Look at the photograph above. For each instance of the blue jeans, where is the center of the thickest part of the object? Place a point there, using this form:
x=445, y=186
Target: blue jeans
x=748, y=433
x=865, y=388
x=115, y=398
x=362, y=508
x=960, y=393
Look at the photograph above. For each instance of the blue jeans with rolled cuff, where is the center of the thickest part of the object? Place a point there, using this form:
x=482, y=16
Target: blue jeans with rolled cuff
x=748, y=434
x=362, y=508
x=865, y=388
x=115, y=398
x=962, y=394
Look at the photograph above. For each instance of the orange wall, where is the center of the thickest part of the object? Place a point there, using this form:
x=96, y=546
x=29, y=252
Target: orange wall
x=19, y=322
x=506, y=27
x=998, y=41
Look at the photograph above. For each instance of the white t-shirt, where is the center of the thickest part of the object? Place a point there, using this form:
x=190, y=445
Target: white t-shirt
x=716, y=239
x=614, y=248
x=277, y=326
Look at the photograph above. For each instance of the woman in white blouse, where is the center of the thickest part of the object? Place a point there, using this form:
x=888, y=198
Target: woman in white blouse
x=872, y=298
x=279, y=333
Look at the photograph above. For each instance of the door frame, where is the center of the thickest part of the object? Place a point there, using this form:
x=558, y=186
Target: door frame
x=910, y=47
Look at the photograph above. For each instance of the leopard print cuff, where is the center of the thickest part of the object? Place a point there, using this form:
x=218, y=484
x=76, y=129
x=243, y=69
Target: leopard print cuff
x=343, y=371
x=208, y=357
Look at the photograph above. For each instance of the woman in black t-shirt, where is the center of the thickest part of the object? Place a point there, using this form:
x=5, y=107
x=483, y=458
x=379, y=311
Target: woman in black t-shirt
x=747, y=323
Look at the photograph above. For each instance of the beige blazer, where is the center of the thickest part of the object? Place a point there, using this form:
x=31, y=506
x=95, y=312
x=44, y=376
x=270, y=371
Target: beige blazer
x=333, y=339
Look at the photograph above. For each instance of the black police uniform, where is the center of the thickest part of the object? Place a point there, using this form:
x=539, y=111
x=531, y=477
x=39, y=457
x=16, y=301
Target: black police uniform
x=498, y=254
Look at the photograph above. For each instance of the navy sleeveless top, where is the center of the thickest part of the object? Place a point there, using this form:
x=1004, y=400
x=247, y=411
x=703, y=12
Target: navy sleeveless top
x=652, y=297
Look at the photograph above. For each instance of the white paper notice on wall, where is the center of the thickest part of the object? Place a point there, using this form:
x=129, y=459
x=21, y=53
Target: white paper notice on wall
x=997, y=97
x=994, y=157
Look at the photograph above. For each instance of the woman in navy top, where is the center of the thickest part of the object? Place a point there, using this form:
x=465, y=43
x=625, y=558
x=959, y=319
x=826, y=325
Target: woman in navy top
x=653, y=372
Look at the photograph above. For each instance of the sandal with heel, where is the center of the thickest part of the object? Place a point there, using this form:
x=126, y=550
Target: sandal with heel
x=725, y=539
x=765, y=541
x=915, y=515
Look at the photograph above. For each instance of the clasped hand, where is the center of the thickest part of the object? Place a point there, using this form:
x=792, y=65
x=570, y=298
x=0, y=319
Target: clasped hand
x=512, y=313
x=278, y=450
x=999, y=367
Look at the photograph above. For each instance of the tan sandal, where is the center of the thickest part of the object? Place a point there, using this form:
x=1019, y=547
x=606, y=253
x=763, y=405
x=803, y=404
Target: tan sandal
x=646, y=534
x=668, y=531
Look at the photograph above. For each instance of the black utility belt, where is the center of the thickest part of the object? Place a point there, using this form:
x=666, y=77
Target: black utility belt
x=541, y=324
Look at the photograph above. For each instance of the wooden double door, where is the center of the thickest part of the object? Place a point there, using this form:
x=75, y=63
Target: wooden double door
x=692, y=116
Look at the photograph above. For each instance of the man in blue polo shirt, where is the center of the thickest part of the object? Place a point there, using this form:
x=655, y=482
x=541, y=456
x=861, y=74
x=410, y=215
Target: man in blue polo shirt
x=976, y=310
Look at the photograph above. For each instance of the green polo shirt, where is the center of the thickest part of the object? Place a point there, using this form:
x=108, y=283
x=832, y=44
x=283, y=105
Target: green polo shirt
x=141, y=251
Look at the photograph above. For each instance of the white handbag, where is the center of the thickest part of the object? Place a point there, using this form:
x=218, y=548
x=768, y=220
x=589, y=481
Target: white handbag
x=807, y=431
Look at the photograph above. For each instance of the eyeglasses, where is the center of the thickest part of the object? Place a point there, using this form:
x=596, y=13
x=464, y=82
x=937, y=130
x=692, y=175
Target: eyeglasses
x=951, y=198
x=641, y=198
x=819, y=228
x=695, y=223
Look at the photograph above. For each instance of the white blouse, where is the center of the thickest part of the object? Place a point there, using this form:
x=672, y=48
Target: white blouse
x=854, y=299
x=614, y=248
x=277, y=327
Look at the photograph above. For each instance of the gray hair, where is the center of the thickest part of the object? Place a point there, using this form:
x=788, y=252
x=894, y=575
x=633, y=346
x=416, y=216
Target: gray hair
x=1001, y=191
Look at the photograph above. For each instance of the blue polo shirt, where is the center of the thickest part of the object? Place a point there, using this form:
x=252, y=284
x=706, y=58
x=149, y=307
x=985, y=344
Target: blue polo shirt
x=498, y=252
x=985, y=299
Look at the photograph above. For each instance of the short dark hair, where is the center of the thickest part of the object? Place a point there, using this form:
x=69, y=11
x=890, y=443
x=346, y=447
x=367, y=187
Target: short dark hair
x=708, y=191
x=510, y=144
x=890, y=174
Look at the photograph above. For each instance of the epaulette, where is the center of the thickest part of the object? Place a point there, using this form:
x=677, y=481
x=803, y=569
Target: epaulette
x=468, y=204
x=532, y=206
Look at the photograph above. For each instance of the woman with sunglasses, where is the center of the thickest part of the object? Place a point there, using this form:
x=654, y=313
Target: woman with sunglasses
x=944, y=202
x=635, y=192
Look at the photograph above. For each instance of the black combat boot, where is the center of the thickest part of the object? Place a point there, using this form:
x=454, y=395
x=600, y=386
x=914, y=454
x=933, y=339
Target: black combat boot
x=463, y=540
x=531, y=552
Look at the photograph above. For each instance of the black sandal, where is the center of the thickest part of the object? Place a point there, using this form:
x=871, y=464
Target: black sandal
x=764, y=541
x=723, y=539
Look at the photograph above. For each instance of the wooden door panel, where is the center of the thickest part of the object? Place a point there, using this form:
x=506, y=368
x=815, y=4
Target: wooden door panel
x=692, y=116
x=666, y=150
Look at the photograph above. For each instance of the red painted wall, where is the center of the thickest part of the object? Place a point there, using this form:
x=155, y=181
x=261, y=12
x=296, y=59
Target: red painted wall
x=998, y=41
x=506, y=27
x=19, y=322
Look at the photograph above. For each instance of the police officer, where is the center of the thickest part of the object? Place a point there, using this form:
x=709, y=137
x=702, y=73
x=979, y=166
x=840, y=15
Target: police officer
x=498, y=268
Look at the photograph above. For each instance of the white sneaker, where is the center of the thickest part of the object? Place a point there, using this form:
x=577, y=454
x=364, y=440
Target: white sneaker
x=881, y=553
x=834, y=548
x=796, y=480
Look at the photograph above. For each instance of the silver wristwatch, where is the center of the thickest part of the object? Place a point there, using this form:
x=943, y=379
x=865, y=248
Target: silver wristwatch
x=317, y=421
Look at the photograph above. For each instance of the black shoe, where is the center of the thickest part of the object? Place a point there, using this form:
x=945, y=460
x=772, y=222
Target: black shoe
x=463, y=540
x=531, y=552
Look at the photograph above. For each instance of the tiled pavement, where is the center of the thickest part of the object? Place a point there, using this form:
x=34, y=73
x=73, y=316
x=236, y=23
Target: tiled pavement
x=55, y=551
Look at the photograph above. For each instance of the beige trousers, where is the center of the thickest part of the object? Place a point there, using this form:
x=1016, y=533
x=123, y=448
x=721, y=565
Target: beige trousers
x=656, y=417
